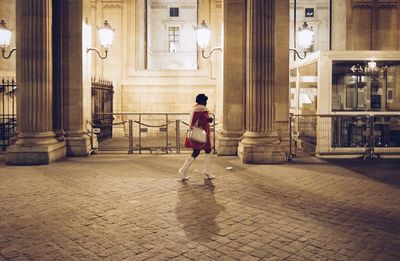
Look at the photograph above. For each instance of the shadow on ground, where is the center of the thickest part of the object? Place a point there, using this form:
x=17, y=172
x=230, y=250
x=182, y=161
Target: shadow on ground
x=197, y=209
x=316, y=206
x=383, y=170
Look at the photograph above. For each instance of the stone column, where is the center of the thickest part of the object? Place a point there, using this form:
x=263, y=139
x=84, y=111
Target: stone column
x=260, y=143
x=76, y=77
x=234, y=77
x=36, y=143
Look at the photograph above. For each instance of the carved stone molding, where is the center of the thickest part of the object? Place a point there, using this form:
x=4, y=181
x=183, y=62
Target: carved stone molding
x=113, y=3
x=158, y=5
x=189, y=6
x=375, y=3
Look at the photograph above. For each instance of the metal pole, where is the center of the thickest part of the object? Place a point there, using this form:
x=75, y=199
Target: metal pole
x=140, y=133
x=91, y=136
x=178, y=137
x=14, y=117
x=294, y=26
x=290, y=136
x=130, y=150
x=166, y=133
x=372, y=145
x=3, y=123
x=330, y=25
x=214, y=138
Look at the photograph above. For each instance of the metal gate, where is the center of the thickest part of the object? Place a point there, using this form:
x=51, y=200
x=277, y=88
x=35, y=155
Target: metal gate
x=303, y=136
x=102, y=107
x=8, y=117
x=146, y=132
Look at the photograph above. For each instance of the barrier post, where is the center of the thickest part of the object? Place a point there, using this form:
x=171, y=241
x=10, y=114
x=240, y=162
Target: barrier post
x=166, y=133
x=372, y=140
x=290, y=136
x=214, y=138
x=130, y=150
x=91, y=138
x=140, y=133
x=178, y=137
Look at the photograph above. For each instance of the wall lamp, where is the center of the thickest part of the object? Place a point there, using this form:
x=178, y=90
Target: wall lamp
x=203, y=34
x=305, y=38
x=106, y=34
x=5, y=38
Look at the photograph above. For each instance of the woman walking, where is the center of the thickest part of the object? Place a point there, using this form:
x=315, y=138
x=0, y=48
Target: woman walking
x=199, y=117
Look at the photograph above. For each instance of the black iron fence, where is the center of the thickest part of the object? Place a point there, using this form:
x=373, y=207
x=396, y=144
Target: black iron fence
x=102, y=107
x=151, y=132
x=361, y=134
x=8, y=117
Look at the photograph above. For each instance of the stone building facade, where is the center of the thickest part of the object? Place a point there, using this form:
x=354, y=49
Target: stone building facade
x=247, y=83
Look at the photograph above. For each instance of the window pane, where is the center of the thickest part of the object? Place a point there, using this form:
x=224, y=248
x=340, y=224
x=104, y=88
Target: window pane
x=366, y=86
x=173, y=39
x=174, y=12
x=308, y=89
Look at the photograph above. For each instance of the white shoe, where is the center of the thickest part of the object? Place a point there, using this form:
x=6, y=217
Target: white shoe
x=183, y=170
x=206, y=170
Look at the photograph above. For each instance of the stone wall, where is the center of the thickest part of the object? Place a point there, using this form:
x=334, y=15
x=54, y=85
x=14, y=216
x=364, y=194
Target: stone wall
x=159, y=54
x=167, y=91
x=140, y=90
x=319, y=22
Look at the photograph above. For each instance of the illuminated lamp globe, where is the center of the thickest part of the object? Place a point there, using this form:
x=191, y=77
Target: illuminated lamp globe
x=203, y=35
x=305, y=36
x=106, y=34
x=5, y=35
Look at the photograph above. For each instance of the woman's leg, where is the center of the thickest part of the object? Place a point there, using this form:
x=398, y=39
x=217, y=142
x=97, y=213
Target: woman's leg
x=206, y=170
x=189, y=161
x=195, y=153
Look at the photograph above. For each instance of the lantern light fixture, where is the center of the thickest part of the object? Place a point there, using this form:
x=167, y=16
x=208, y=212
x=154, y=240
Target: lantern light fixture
x=372, y=65
x=106, y=34
x=5, y=39
x=203, y=34
x=305, y=38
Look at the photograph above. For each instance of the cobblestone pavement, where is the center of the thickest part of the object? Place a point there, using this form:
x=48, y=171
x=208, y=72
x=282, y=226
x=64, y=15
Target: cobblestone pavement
x=116, y=207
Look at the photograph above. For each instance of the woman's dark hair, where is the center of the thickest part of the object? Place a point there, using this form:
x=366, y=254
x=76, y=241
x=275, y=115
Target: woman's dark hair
x=201, y=99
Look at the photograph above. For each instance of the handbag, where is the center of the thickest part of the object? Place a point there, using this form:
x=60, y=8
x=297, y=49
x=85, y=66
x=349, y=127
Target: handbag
x=197, y=134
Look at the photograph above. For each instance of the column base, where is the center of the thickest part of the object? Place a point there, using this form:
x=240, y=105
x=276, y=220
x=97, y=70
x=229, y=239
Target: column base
x=35, y=154
x=78, y=146
x=227, y=143
x=261, y=149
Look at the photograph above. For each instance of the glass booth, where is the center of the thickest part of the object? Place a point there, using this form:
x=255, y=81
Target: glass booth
x=346, y=103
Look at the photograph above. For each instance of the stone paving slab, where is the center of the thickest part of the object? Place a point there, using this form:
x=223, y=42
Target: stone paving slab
x=131, y=207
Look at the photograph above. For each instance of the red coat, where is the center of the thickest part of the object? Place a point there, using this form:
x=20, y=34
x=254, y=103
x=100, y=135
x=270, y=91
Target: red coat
x=200, y=114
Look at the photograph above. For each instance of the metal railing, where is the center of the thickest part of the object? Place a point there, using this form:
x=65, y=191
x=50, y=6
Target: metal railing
x=367, y=134
x=8, y=117
x=138, y=132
